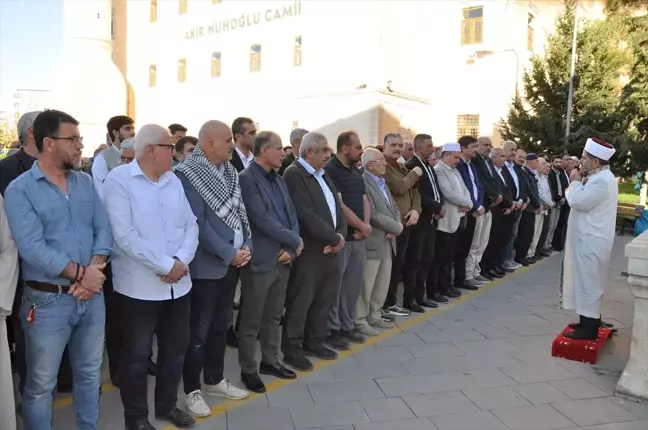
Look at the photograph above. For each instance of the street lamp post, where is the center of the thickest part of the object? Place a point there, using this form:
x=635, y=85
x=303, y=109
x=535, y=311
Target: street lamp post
x=570, y=97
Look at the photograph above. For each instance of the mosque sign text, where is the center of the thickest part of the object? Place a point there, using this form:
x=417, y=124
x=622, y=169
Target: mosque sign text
x=244, y=20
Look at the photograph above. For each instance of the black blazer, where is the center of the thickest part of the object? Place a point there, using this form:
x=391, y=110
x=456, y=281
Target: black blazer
x=315, y=222
x=532, y=190
x=14, y=166
x=286, y=162
x=506, y=188
x=553, y=186
x=491, y=184
x=236, y=161
x=429, y=206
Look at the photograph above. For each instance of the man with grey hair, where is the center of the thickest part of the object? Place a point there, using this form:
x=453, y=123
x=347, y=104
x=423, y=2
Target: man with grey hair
x=16, y=164
x=317, y=273
x=296, y=137
x=156, y=236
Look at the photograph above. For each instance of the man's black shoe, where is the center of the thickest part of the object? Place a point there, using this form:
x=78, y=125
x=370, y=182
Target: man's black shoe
x=298, y=361
x=505, y=269
x=414, y=307
x=469, y=287
x=440, y=299
x=178, y=418
x=278, y=370
x=588, y=329
x=522, y=261
x=427, y=303
x=337, y=341
x=140, y=426
x=252, y=382
x=494, y=274
x=453, y=293
x=353, y=336
x=321, y=352
x=231, y=338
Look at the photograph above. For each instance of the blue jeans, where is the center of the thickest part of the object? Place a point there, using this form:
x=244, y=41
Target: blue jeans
x=60, y=320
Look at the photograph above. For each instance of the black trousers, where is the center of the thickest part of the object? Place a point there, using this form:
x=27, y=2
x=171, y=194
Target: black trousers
x=398, y=264
x=211, y=315
x=114, y=339
x=169, y=321
x=423, y=286
x=310, y=296
x=544, y=232
x=501, y=230
x=560, y=235
x=440, y=276
x=525, y=235
x=462, y=249
x=418, y=259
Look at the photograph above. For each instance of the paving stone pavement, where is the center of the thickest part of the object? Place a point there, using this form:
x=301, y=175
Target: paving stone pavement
x=483, y=364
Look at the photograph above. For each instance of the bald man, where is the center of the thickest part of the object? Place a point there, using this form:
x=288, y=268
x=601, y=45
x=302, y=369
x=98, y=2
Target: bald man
x=156, y=236
x=211, y=185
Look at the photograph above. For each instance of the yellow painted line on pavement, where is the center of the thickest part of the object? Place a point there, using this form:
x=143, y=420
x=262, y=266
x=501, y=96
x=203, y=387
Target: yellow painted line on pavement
x=222, y=407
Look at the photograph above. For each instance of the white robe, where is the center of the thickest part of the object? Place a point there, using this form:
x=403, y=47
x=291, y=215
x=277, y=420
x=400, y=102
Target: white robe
x=590, y=236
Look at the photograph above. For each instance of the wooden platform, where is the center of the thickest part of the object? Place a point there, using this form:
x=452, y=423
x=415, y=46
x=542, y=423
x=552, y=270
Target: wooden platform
x=585, y=351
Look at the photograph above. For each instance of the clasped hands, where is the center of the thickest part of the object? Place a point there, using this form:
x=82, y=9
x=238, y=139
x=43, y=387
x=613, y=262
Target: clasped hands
x=178, y=271
x=91, y=283
x=328, y=249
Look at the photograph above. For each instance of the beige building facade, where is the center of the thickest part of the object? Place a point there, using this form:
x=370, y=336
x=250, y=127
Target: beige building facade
x=443, y=67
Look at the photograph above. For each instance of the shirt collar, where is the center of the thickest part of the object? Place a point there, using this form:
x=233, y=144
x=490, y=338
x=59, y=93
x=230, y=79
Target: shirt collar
x=136, y=170
x=247, y=158
x=36, y=171
x=378, y=179
x=310, y=168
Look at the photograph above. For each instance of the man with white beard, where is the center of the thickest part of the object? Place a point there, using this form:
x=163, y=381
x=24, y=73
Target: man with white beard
x=590, y=236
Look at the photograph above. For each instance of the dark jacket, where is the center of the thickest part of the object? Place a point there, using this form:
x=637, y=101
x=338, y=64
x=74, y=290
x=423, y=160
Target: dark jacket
x=506, y=188
x=532, y=190
x=522, y=192
x=429, y=205
x=287, y=161
x=236, y=161
x=315, y=223
x=215, y=238
x=490, y=184
x=270, y=234
x=556, y=193
x=14, y=166
x=465, y=175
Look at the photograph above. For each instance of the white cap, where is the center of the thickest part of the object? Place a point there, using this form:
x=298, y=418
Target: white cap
x=599, y=148
x=451, y=147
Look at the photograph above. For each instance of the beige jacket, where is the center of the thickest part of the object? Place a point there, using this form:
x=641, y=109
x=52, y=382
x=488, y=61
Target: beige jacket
x=8, y=264
x=455, y=194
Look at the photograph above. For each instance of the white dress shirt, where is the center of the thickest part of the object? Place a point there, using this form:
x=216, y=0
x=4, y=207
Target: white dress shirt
x=100, y=169
x=152, y=223
x=245, y=159
x=328, y=195
x=511, y=168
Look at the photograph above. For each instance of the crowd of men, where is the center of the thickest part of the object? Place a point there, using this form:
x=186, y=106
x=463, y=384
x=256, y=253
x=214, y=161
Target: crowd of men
x=156, y=240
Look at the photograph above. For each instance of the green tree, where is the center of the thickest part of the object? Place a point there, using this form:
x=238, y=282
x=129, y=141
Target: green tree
x=7, y=134
x=537, y=118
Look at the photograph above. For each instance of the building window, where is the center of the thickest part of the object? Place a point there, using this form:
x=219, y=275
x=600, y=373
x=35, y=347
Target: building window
x=216, y=65
x=153, y=11
x=530, y=33
x=472, y=26
x=297, y=61
x=182, y=70
x=183, y=7
x=255, y=58
x=152, y=75
x=467, y=125
x=295, y=124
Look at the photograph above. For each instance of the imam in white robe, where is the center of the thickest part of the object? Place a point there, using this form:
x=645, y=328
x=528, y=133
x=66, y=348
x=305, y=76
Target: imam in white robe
x=590, y=236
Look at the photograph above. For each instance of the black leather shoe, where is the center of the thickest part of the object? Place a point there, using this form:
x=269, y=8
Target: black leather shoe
x=140, y=426
x=278, y=370
x=486, y=275
x=469, y=287
x=298, y=361
x=337, y=341
x=414, y=307
x=152, y=368
x=493, y=274
x=353, y=336
x=440, y=299
x=231, y=338
x=252, y=382
x=427, y=303
x=522, y=261
x=453, y=293
x=321, y=352
x=505, y=269
x=178, y=418
x=588, y=329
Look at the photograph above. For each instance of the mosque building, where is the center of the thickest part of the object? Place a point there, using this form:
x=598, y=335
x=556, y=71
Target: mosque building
x=443, y=67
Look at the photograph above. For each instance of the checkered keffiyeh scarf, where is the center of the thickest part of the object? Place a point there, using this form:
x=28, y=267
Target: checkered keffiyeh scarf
x=221, y=192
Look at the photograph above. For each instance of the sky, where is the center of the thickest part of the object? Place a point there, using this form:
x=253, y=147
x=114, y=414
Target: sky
x=31, y=35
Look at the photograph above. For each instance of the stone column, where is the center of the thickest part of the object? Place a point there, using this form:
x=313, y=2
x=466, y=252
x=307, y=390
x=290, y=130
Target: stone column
x=633, y=383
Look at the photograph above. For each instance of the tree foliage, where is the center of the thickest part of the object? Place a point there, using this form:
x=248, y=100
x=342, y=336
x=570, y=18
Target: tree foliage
x=610, y=52
x=7, y=134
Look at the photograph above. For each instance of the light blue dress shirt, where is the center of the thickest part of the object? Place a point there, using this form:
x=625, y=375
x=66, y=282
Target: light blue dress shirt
x=330, y=198
x=381, y=184
x=52, y=229
x=511, y=168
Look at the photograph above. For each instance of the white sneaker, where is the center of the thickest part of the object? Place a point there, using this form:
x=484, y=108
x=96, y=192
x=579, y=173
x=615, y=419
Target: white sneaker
x=474, y=282
x=380, y=324
x=366, y=330
x=196, y=405
x=226, y=390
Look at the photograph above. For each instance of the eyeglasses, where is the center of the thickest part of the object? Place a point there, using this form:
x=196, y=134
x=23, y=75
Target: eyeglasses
x=166, y=145
x=74, y=139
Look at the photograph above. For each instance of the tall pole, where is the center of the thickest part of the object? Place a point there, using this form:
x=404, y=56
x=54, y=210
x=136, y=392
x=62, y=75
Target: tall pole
x=570, y=98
